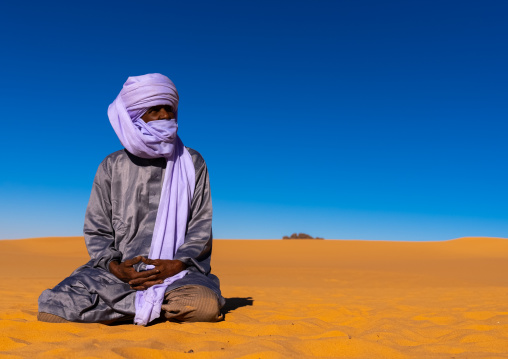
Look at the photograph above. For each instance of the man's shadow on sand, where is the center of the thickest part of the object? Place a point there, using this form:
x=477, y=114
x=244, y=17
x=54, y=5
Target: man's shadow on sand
x=235, y=303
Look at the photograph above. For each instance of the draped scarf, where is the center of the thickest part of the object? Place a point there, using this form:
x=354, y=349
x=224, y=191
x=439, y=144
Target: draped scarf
x=157, y=139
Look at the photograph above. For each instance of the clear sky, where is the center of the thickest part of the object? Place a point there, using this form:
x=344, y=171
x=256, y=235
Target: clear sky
x=345, y=119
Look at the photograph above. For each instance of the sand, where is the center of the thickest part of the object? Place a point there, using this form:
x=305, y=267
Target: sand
x=287, y=299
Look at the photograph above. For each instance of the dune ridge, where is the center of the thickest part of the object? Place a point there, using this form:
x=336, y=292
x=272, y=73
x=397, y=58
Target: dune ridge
x=287, y=299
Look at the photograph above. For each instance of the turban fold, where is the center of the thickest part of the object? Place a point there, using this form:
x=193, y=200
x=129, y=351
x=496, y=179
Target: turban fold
x=139, y=93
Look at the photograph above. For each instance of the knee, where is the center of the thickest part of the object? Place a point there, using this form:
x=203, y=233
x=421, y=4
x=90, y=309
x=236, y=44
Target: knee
x=192, y=304
x=207, y=310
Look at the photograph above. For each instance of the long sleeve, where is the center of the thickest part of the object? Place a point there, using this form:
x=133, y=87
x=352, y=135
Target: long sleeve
x=197, y=248
x=98, y=227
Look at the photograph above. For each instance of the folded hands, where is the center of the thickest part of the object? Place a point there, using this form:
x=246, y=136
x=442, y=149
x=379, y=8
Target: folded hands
x=163, y=268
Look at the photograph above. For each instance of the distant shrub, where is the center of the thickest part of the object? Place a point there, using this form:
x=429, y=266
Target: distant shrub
x=300, y=236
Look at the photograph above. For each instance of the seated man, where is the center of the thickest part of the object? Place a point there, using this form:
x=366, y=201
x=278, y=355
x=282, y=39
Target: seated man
x=148, y=224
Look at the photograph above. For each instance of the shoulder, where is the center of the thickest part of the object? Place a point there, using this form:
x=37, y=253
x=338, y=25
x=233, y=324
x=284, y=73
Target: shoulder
x=197, y=159
x=120, y=159
x=113, y=158
x=111, y=161
x=116, y=156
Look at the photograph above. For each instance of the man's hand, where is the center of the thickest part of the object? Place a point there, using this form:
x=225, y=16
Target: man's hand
x=126, y=272
x=166, y=268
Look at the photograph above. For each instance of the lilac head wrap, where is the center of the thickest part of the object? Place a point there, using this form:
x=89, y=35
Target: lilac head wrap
x=142, y=92
x=153, y=140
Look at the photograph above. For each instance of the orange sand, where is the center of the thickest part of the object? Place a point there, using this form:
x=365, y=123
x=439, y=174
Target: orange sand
x=287, y=299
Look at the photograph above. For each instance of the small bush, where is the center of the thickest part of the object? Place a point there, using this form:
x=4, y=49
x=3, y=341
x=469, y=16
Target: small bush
x=300, y=236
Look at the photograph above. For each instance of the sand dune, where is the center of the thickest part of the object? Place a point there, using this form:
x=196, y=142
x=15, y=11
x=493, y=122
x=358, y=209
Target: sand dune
x=287, y=299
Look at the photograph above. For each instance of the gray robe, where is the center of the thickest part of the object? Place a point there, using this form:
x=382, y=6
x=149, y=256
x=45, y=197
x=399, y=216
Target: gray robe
x=119, y=222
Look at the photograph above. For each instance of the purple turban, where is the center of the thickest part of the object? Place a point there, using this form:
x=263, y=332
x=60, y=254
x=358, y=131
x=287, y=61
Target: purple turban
x=142, y=92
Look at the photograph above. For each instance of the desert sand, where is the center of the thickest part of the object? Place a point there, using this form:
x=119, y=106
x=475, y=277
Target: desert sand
x=286, y=299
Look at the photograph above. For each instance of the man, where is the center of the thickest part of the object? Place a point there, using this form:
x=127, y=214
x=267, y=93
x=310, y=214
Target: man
x=148, y=224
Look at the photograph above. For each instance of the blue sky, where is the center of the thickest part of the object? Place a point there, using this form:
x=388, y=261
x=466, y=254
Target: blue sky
x=382, y=120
